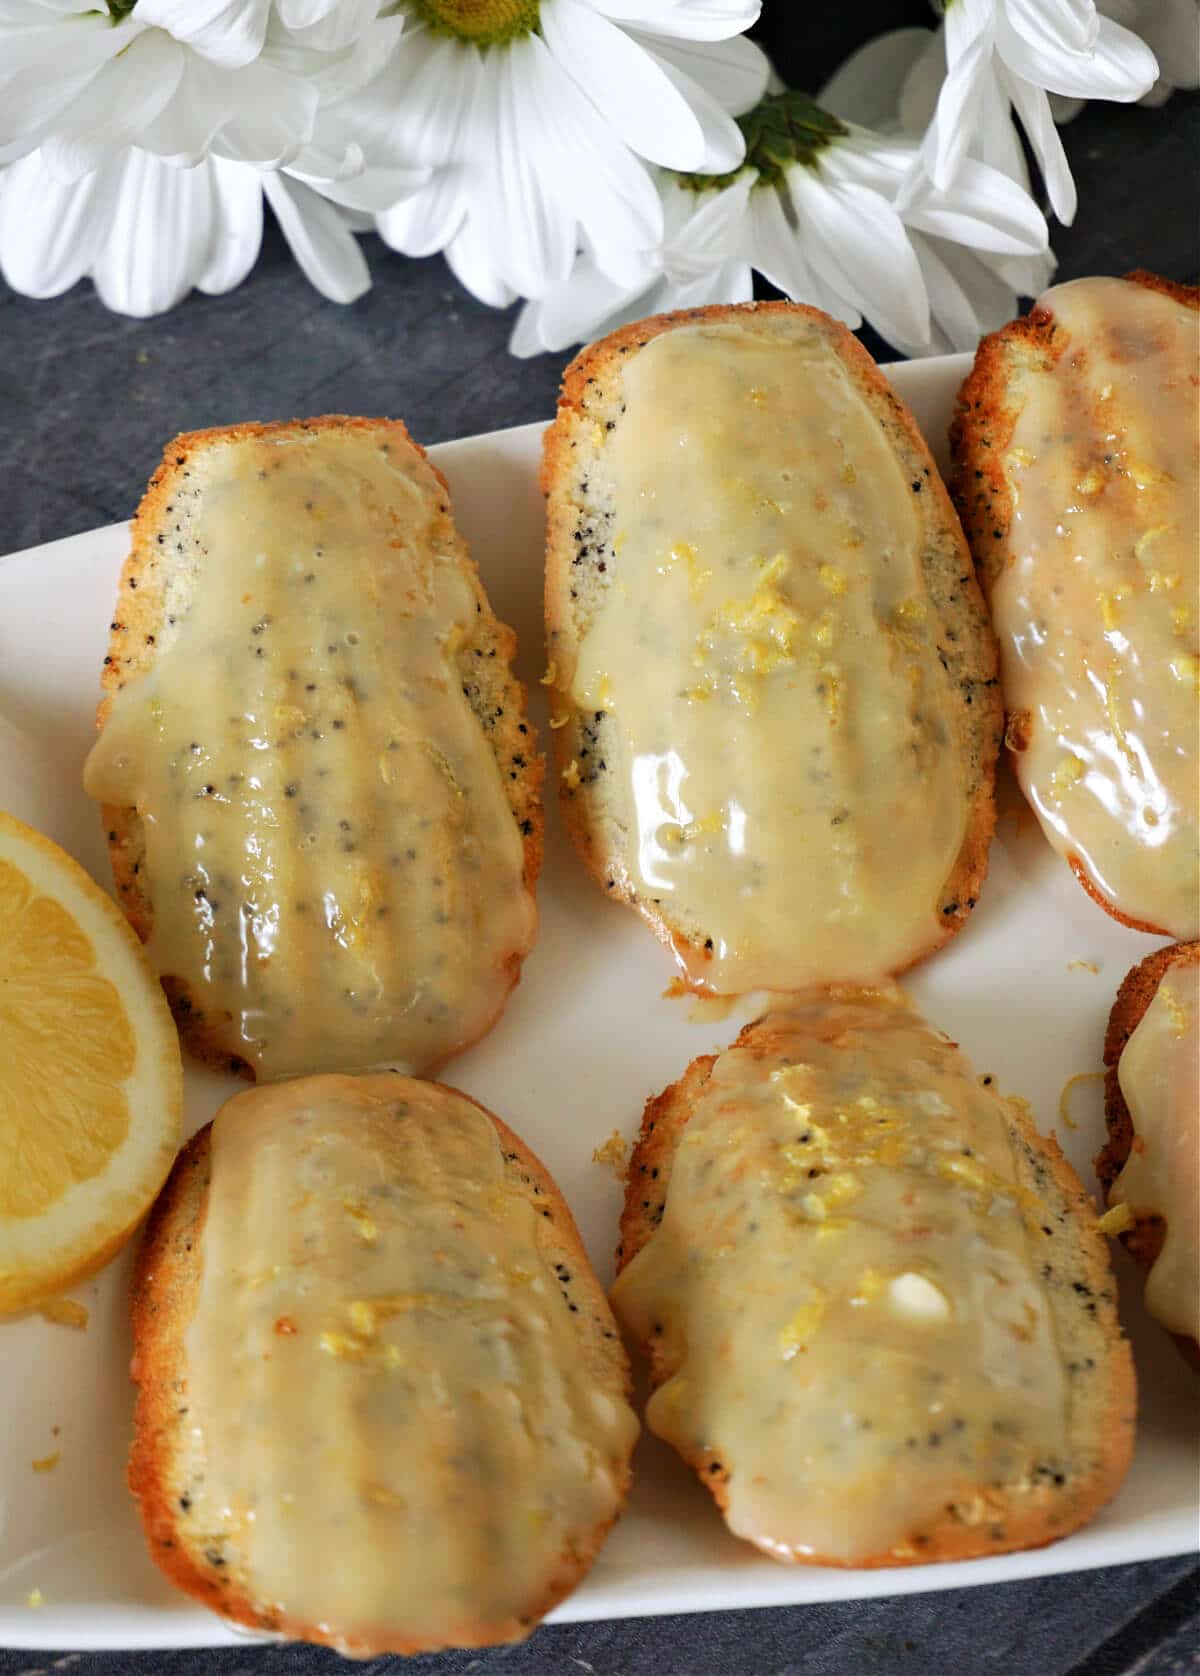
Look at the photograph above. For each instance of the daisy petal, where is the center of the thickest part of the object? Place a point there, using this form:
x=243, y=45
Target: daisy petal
x=50, y=230
x=141, y=275
x=1028, y=276
x=525, y=339
x=473, y=264
x=733, y=282
x=834, y=301
x=1065, y=110
x=531, y=232
x=711, y=236
x=571, y=313
x=922, y=85
x=303, y=14
x=340, y=161
x=35, y=85
x=620, y=217
x=230, y=32
x=966, y=297
x=354, y=220
x=34, y=41
x=664, y=296
x=427, y=221
x=773, y=245
x=678, y=204
x=417, y=111
x=982, y=209
x=627, y=85
x=184, y=131
x=693, y=20
x=322, y=244
x=969, y=55
x=998, y=141
x=733, y=72
x=1171, y=30
x=335, y=73
x=856, y=242
x=271, y=116
x=328, y=25
x=18, y=11
x=117, y=106
x=687, y=19
x=1033, y=108
x=868, y=86
x=722, y=139
x=365, y=195
x=237, y=226
x=871, y=160
x=257, y=114
x=31, y=105
x=1039, y=43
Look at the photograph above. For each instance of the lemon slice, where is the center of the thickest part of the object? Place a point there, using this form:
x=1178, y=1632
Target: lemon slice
x=91, y=1085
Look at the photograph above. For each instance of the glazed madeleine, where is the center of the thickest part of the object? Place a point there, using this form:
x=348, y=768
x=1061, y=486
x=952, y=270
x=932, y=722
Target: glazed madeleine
x=404, y=1423
x=1150, y=1165
x=1077, y=447
x=879, y=1314
x=320, y=787
x=774, y=684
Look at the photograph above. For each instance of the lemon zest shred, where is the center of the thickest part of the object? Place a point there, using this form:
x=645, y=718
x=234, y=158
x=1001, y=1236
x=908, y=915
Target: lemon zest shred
x=1064, y=1098
x=613, y=1154
x=1116, y=1220
x=65, y=1312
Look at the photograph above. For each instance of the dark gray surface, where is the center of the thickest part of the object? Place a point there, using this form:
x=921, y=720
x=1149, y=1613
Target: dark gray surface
x=1127, y=1621
x=88, y=399
x=86, y=403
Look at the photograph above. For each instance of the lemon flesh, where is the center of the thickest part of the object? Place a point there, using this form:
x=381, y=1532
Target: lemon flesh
x=90, y=1073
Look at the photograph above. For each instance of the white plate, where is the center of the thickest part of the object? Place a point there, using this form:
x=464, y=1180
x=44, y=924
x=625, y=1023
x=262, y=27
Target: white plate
x=586, y=1038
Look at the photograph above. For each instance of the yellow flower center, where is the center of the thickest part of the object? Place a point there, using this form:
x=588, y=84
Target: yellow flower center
x=486, y=22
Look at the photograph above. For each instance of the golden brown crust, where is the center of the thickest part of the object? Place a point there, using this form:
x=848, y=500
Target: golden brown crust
x=980, y=436
x=162, y=1300
x=165, y=1288
x=588, y=368
x=1144, y=1240
x=1085, y=879
x=135, y=629
x=1035, y=1516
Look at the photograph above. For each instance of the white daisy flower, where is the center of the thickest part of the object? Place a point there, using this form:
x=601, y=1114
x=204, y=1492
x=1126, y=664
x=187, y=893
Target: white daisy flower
x=590, y=303
x=817, y=210
x=972, y=289
x=181, y=80
x=537, y=118
x=146, y=137
x=1171, y=29
x=147, y=231
x=234, y=31
x=1003, y=54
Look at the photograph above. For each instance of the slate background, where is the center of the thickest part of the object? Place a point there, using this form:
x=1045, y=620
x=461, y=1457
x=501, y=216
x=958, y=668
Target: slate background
x=87, y=400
